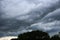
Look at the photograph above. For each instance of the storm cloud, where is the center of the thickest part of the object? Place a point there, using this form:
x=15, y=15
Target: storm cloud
x=18, y=16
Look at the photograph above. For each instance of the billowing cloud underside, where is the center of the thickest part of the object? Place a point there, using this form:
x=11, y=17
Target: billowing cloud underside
x=18, y=16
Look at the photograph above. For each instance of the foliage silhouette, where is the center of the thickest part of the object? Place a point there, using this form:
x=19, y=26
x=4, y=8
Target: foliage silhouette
x=34, y=35
x=55, y=37
x=14, y=39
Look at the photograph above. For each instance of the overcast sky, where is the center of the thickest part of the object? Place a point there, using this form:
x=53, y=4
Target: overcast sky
x=18, y=16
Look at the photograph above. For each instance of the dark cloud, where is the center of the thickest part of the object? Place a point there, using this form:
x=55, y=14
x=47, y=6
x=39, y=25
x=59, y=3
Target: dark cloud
x=52, y=16
x=29, y=15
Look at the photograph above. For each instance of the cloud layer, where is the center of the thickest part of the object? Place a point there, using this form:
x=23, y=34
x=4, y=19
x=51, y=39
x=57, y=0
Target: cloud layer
x=26, y=15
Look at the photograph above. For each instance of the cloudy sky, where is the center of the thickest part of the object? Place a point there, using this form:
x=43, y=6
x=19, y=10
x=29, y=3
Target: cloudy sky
x=19, y=16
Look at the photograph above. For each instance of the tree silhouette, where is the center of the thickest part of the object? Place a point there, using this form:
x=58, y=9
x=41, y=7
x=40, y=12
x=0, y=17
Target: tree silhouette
x=14, y=39
x=34, y=35
x=55, y=37
x=37, y=35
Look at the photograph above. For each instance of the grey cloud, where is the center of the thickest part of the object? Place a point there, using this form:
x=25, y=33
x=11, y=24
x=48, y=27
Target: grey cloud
x=55, y=15
x=50, y=27
x=32, y=19
x=12, y=8
x=41, y=12
x=12, y=24
x=34, y=1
